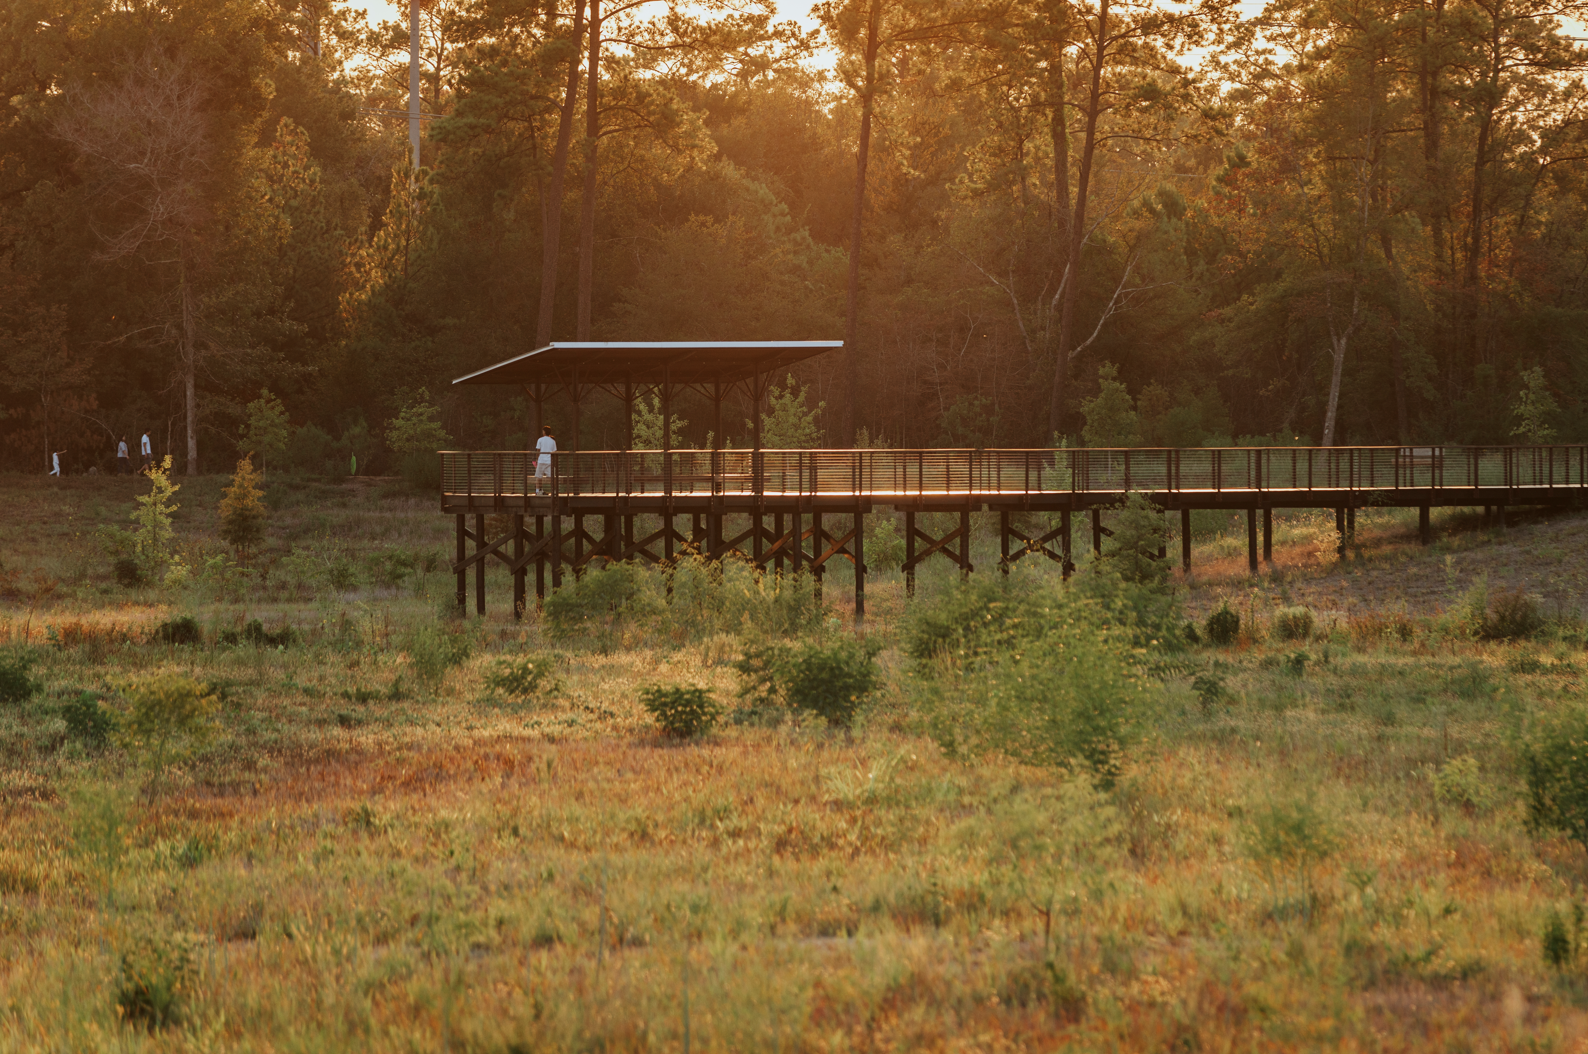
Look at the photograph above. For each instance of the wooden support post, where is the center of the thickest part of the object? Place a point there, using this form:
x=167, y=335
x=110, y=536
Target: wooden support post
x=965, y=566
x=1425, y=532
x=1097, y=532
x=479, y=565
x=799, y=542
x=1339, y=529
x=817, y=548
x=519, y=600
x=1185, y=540
x=1163, y=540
x=909, y=552
x=578, y=545
x=1350, y=523
x=860, y=569
x=756, y=526
x=1067, y=565
x=777, y=531
x=556, y=549
x=1251, y=539
x=1003, y=542
x=667, y=534
x=463, y=574
x=1268, y=535
x=540, y=560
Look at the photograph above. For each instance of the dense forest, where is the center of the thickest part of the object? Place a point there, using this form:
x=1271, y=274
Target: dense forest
x=1338, y=221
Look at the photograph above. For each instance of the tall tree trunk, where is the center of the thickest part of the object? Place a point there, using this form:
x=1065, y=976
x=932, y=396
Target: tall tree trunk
x=1058, y=128
x=1397, y=365
x=592, y=131
x=868, y=97
x=190, y=375
x=551, y=203
x=1072, y=265
x=1339, y=344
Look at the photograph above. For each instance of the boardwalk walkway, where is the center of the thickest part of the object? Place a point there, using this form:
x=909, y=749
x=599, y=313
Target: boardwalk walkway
x=769, y=505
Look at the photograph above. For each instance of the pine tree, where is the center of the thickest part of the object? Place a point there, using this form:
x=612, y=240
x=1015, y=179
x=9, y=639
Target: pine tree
x=243, y=509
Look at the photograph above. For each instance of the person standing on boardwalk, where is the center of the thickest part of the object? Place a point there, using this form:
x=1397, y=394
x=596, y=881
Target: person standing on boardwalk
x=547, y=447
x=123, y=461
x=146, y=449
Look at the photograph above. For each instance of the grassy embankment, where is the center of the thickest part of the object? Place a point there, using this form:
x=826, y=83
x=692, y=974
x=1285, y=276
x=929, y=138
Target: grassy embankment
x=363, y=859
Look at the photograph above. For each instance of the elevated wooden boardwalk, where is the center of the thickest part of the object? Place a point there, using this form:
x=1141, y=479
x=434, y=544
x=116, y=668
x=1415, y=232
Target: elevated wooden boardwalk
x=776, y=500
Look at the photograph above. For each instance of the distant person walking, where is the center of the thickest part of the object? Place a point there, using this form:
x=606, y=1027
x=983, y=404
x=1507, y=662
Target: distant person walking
x=146, y=450
x=123, y=460
x=547, y=447
x=55, y=459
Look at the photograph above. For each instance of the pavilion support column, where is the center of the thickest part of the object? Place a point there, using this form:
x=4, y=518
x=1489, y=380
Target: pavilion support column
x=1425, y=533
x=860, y=570
x=1097, y=532
x=1003, y=542
x=1251, y=539
x=1185, y=540
x=463, y=574
x=1268, y=535
x=519, y=600
x=909, y=552
x=479, y=565
x=540, y=560
x=1067, y=561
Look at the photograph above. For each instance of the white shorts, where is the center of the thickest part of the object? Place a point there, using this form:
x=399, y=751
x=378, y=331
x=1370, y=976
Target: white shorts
x=543, y=468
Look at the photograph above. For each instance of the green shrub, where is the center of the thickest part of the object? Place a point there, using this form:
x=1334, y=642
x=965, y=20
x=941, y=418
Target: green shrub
x=156, y=976
x=598, y=605
x=1288, y=841
x=433, y=650
x=16, y=681
x=127, y=572
x=168, y=711
x=1210, y=690
x=524, y=678
x=981, y=618
x=88, y=722
x=1555, y=767
x=708, y=597
x=1069, y=696
x=1293, y=623
x=1460, y=782
x=1223, y=627
x=255, y=633
x=884, y=547
x=184, y=629
x=1139, y=532
x=829, y=679
x=1511, y=615
x=681, y=711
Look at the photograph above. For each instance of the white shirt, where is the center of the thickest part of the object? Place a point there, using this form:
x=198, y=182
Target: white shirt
x=146, y=448
x=547, y=446
x=121, y=448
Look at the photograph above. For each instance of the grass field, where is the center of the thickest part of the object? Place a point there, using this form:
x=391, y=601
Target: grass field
x=1314, y=844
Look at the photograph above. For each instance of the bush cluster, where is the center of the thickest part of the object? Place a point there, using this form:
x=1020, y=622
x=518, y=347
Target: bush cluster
x=16, y=676
x=681, y=711
x=829, y=678
x=526, y=678
x=1223, y=626
x=1293, y=623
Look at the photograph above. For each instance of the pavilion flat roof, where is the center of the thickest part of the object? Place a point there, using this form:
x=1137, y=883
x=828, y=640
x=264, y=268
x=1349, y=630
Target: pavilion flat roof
x=649, y=362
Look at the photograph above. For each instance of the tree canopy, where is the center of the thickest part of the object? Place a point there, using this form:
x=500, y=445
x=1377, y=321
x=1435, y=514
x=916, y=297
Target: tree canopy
x=1344, y=221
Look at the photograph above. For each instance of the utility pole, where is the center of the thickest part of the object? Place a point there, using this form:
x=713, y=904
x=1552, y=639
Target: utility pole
x=413, y=81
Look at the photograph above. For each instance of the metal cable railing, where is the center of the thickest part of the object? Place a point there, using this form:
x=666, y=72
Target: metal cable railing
x=507, y=477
